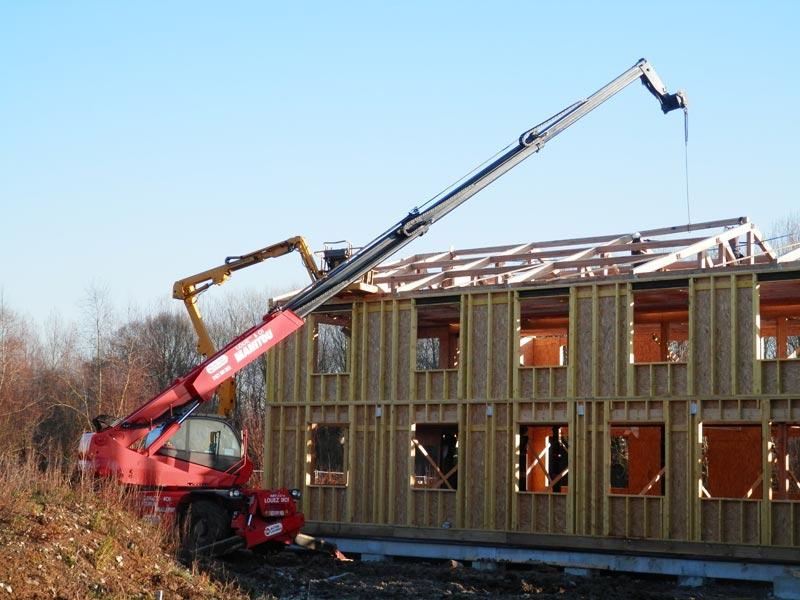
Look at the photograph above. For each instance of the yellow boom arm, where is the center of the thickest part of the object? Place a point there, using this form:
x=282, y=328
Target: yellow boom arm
x=189, y=288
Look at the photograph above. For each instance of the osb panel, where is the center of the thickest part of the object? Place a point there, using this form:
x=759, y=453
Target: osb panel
x=583, y=328
x=452, y=384
x=316, y=388
x=623, y=358
x=403, y=363
x=617, y=508
x=389, y=360
x=543, y=513
x=325, y=503
x=790, y=376
x=701, y=355
x=402, y=447
x=543, y=383
x=786, y=523
x=769, y=376
x=479, y=338
x=560, y=383
x=751, y=523
x=740, y=521
x=300, y=340
x=606, y=356
x=288, y=471
x=433, y=508
x=360, y=471
x=430, y=385
x=654, y=509
x=784, y=409
x=373, y=366
x=435, y=413
x=722, y=335
x=401, y=416
x=661, y=379
x=475, y=479
x=636, y=517
x=677, y=484
x=526, y=382
x=711, y=410
x=642, y=378
x=559, y=509
x=678, y=413
x=636, y=410
x=744, y=340
x=286, y=391
x=709, y=520
x=329, y=414
x=502, y=479
x=499, y=356
x=679, y=378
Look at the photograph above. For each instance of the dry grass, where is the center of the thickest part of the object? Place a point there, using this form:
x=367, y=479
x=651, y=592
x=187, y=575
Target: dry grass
x=65, y=537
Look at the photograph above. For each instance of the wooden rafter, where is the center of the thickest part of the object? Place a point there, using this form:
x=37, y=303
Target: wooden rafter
x=647, y=251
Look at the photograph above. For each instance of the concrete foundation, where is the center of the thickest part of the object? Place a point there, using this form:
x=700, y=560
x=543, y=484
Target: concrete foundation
x=372, y=557
x=690, y=571
x=690, y=581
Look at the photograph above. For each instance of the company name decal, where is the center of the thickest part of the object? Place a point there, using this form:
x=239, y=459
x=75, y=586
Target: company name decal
x=261, y=337
x=217, y=364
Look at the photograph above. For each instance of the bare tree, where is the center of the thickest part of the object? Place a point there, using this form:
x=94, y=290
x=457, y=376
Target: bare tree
x=785, y=232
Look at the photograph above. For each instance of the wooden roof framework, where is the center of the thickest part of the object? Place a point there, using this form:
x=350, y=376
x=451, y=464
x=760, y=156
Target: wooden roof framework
x=707, y=245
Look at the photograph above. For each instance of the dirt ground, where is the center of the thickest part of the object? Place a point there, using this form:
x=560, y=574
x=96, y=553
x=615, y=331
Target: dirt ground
x=291, y=575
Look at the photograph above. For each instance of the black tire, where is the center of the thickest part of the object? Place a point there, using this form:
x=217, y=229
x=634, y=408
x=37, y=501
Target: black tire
x=204, y=523
x=269, y=548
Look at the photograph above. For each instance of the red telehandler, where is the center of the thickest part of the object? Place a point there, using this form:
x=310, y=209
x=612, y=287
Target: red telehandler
x=193, y=467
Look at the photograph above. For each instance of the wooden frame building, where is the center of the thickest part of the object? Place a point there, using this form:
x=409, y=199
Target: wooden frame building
x=625, y=392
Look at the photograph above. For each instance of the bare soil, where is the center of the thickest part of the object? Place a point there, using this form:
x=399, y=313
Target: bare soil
x=295, y=576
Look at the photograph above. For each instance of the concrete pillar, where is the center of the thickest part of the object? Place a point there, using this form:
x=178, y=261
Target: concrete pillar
x=690, y=581
x=786, y=588
x=368, y=557
x=484, y=565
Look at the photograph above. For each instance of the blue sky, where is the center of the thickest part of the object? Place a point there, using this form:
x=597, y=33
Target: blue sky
x=142, y=142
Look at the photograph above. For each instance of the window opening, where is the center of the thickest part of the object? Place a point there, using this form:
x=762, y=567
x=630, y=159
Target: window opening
x=637, y=460
x=437, y=336
x=661, y=325
x=328, y=455
x=543, y=331
x=779, y=303
x=332, y=332
x=544, y=458
x=784, y=455
x=435, y=450
x=730, y=461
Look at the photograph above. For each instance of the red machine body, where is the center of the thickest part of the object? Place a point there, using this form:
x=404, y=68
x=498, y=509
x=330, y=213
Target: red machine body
x=177, y=459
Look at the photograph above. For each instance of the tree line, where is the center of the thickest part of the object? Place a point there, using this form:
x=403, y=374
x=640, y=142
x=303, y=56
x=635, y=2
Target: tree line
x=57, y=376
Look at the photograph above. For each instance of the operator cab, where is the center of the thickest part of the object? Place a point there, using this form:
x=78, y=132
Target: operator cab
x=203, y=440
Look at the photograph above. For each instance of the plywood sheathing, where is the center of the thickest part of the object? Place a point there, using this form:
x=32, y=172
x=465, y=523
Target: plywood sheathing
x=489, y=395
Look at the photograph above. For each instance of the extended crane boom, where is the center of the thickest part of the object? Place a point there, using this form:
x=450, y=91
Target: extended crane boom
x=197, y=475
x=417, y=222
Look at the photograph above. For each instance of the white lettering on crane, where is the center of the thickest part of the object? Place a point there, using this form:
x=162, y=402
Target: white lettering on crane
x=262, y=336
x=217, y=364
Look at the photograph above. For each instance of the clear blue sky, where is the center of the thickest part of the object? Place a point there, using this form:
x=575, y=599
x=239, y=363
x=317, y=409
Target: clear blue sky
x=144, y=141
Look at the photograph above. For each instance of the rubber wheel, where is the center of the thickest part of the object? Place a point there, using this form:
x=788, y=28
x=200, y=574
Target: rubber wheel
x=204, y=523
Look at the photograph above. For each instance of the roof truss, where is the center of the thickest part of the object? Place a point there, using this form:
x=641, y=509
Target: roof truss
x=708, y=245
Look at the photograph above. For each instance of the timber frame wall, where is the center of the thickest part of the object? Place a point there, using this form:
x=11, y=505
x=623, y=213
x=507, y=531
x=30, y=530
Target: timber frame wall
x=489, y=396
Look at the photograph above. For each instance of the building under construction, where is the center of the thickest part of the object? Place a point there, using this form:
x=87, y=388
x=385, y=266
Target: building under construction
x=630, y=393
